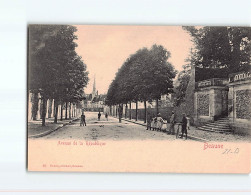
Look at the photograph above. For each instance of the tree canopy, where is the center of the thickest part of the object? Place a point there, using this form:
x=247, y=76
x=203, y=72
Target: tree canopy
x=56, y=71
x=221, y=47
x=217, y=52
x=145, y=75
x=181, y=84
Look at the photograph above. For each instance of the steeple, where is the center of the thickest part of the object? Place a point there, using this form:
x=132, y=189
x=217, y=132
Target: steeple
x=94, y=87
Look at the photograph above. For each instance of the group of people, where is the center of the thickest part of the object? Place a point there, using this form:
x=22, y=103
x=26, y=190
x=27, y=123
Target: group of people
x=99, y=116
x=82, y=118
x=156, y=124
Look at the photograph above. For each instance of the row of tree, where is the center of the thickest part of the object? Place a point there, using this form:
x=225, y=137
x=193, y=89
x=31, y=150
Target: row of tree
x=144, y=76
x=215, y=49
x=56, y=71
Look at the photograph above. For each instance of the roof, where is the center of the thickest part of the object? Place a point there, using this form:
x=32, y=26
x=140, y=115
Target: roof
x=97, y=98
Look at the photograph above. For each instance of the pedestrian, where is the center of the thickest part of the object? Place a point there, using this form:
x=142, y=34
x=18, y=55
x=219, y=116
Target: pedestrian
x=172, y=123
x=188, y=122
x=184, y=125
x=178, y=129
x=159, y=122
x=148, y=121
x=82, y=120
x=154, y=123
x=106, y=116
x=99, y=115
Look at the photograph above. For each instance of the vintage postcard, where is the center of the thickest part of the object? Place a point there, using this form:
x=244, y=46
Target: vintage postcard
x=121, y=98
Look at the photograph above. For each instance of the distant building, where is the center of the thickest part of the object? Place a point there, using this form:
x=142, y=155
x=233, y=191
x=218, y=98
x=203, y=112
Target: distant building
x=94, y=101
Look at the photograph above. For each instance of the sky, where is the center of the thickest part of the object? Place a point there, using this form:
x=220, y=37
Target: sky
x=104, y=48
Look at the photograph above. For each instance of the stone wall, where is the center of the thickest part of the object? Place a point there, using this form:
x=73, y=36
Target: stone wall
x=243, y=101
x=203, y=104
x=210, y=103
x=239, y=106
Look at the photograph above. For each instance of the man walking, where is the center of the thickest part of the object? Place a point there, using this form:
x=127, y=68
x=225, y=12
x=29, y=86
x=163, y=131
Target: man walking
x=188, y=122
x=82, y=120
x=99, y=115
x=184, y=125
x=148, y=121
x=172, y=123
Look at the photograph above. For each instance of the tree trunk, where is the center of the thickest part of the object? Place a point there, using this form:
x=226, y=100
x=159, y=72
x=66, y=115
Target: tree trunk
x=236, y=53
x=130, y=114
x=61, y=110
x=55, y=111
x=43, y=110
x=73, y=110
x=120, y=111
x=157, y=106
x=136, y=117
x=145, y=111
x=66, y=106
x=70, y=110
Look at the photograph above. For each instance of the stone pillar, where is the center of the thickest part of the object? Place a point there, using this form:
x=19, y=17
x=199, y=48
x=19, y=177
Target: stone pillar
x=47, y=108
x=216, y=102
x=29, y=104
x=211, y=104
x=52, y=106
x=39, y=116
x=231, y=103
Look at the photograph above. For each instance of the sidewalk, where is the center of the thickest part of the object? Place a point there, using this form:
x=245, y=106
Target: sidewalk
x=205, y=136
x=192, y=137
x=35, y=128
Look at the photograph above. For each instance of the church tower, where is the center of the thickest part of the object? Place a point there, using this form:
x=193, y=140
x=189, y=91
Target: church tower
x=94, y=87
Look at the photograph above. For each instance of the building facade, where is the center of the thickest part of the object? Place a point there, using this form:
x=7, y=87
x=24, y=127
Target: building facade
x=217, y=98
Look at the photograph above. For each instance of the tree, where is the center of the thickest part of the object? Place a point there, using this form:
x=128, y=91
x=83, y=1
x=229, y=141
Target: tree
x=55, y=69
x=221, y=47
x=153, y=74
x=181, y=84
x=41, y=69
x=145, y=75
x=218, y=51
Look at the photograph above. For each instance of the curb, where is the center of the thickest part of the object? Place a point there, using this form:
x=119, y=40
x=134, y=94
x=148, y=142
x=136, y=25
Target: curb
x=135, y=122
x=197, y=138
x=50, y=131
x=188, y=136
